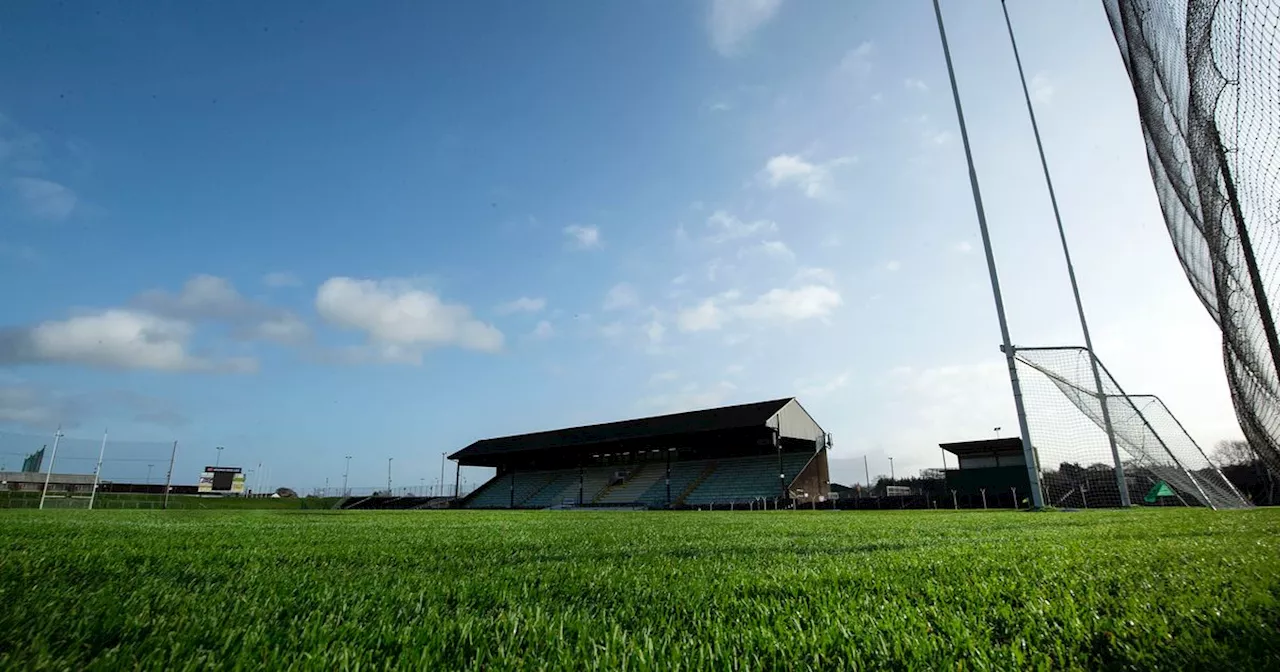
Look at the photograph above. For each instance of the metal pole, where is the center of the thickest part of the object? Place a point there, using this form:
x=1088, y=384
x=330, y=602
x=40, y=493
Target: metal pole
x=149, y=468
x=866, y=468
x=97, y=470
x=892, y=476
x=168, y=479
x=1006, y=344
x=1071, y=271
x=668, y=451
x=345, y=473
x=217, y=460
x=389, y=475
x=457, y=477
x=57, y=436
x=954, y=504
x=444, y=457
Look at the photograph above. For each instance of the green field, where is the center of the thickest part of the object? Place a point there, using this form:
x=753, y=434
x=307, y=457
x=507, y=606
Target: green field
x=662, y=591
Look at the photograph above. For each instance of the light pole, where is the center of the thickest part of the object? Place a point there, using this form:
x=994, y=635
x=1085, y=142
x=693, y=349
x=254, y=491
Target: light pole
x=345, y=473
x=218, y=460
x=444, y=457
x=997, y=431
x=891, y=476
x=149, y=466
x=389, y=476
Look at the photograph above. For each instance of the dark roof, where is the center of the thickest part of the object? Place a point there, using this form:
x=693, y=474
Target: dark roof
x=709, y=420
x=1009, y=446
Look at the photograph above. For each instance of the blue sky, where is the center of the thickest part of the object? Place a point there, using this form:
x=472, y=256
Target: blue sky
x=307, y=230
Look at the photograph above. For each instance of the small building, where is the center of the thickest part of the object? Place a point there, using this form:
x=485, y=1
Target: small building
x=992, y=468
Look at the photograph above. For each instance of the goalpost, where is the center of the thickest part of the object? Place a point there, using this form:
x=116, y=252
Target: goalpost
x=1066, y=412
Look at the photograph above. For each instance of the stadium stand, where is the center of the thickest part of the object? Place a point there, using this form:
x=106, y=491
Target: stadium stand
x=717, y=456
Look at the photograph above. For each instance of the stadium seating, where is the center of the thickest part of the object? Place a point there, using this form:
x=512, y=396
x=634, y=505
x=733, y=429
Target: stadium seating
x=683, y=475
x=734, y=480
x=746, y=479
x=642, y=478
x=496, y=494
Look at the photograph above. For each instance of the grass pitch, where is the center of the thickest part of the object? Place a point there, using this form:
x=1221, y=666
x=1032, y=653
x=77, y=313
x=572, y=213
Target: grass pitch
x=663, y=591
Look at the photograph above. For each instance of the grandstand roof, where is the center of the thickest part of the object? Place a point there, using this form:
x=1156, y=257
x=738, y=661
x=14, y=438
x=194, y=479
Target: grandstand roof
x=1009, y=446
x=742, y=416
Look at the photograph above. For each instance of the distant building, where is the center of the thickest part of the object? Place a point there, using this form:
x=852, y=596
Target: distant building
x=994, y=468
x=730, y=456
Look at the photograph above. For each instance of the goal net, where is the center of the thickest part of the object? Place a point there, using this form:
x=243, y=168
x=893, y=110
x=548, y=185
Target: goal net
x=1161, y=464
x=1206, y=77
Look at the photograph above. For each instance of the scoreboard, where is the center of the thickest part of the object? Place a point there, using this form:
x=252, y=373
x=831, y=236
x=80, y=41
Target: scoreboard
x=222, y=480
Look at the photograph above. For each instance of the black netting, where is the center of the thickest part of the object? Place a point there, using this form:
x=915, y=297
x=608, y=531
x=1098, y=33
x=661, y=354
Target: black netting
x=1206, y=74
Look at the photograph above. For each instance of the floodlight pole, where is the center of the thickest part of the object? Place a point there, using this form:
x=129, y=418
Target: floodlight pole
x=1033, y=474
x=1071, y=271
x=345, y=473
x=97, y=470
x=57, y=436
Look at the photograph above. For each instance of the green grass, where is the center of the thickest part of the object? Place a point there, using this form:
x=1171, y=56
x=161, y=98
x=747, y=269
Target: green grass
x=662, y=591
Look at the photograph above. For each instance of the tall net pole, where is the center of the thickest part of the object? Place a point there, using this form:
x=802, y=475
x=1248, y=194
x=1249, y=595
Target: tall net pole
x=1071, y=270
x=57, y=436
x=97, y=470
x=1033, y=475
x=168, y=479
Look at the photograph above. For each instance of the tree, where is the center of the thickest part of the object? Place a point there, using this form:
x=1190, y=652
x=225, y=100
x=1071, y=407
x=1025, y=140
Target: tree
x=1228, y=453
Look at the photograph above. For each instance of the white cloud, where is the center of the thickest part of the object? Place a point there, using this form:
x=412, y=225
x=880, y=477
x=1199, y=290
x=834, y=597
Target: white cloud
x=937, y=137
x=818, y=275
x=770, y=248
x=612, y=330
x=704, y=316
x=690, y=396
x=774, y=306
x=893, y=266
x=209, y=298
x=582, y=237
x=523, y=304
x=543, y=330
x=400, y=319
x=720, y=106
x=877, y=97
x=814, y=180
x=654, y=331
x=621, y=295
x=726, y=227
x=731, y=22
x=43, y=198
x=857, y=61
x=111, y=339
x=664, y=376
x=202, y=297
x=284, y=328
x=818, y=387
x=963, y=247
x=792, y=305
x=281, y=279
x=915, y=85
x=1041, y=88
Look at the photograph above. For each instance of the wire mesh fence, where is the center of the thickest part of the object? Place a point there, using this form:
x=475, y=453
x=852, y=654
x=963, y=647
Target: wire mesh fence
x=1154, y=458
x=1207, y=81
